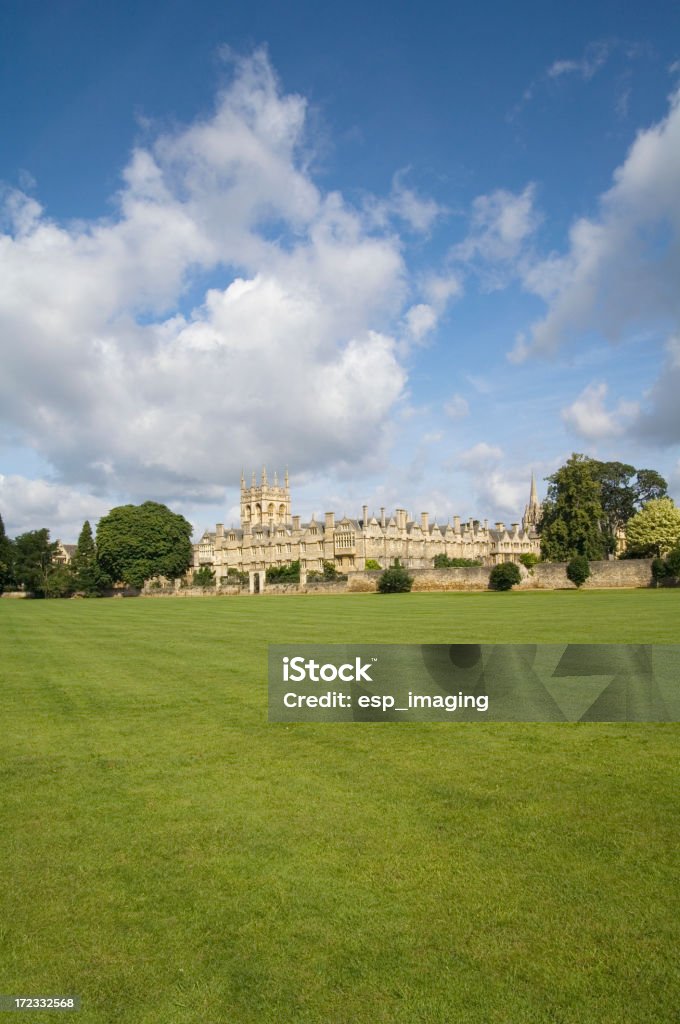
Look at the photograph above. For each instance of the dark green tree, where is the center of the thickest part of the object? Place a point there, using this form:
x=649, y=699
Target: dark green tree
x=578, y=570
x=504, y=576
x=204, y=577
x=395, y=580
x=6, y=558
x=623, y=492
x=89, y=578
x=572, y=513
x=137, y=542
x=33, y=553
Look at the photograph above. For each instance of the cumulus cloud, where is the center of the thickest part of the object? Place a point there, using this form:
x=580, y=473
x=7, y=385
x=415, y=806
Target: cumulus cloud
x=457, y=407
x=480, y=453
x=108, y=374
x=659, y=418
x=588, y=416
x=501, y=225
x=406, y=204
x=623, y=266
x=33, y=504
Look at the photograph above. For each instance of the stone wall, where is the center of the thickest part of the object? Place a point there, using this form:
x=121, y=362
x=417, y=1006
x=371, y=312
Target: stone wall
x=632, y=572
x=544, y=576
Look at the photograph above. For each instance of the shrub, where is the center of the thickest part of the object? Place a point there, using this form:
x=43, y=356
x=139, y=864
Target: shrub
x=372, y=564
x=395, y=580
x=659, y=570
x=529, y=559
x=673, y=563
x=236, y=576
x=578, y=570
x=204, y=577
x=284, y=573
x=504, y=576
x=444, y=562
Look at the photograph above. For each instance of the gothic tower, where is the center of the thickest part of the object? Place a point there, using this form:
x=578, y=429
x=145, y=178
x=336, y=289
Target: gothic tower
x=532, y=512
x=265, y=503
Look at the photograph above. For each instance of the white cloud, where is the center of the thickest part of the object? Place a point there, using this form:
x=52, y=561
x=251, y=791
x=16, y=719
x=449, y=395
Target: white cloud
x=501, y=225
x=480, y=453
x=108, y=376
x=420, y=320
x=623, y=266
x=594, y=56
x=659, y=419
x=588, y=416
x=34, y=504
x=457, y=407
x=418, y=212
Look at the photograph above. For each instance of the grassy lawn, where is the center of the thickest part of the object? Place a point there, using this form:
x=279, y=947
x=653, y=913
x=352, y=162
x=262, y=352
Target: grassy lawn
x=172, y=858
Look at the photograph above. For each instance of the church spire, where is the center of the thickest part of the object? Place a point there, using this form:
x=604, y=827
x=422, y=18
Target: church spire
x=533, y=496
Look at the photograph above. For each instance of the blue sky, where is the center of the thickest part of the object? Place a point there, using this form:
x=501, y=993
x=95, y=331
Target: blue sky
x=412, y=252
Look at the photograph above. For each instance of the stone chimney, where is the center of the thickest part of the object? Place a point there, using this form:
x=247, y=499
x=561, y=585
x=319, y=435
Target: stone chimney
x=296, y=522
x=365, y=515
x=424, y=521
x=219, y=530
x=500, y=527
x=456, y=524
x=330, y=520
x=515, y=529
x=382, y=516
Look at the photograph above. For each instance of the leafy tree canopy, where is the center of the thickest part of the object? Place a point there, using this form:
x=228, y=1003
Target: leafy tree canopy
x=589, y=502
x=6, y=558
x=33, y=553
x=88, y=576
x=136, y=542
x=572, y=513
x=655, y=530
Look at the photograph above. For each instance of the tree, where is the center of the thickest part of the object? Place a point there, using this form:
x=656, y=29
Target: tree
x=504, y=576
x=572, y=513
x=88, y=576
x=204, y=577
x=137, y=542
x=33, y=555
x=6, y=558
x=395, y=580
x=655, y=530
x=372, y=564
x=623, y=491
x=578, y=570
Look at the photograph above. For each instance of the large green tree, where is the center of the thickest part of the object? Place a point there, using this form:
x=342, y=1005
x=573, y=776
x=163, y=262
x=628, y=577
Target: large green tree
x=33, y=554
x=88, y=576
x=655, y=530
x=623, y=492
x=572, y=517
x=137, y=542
x=6, y=558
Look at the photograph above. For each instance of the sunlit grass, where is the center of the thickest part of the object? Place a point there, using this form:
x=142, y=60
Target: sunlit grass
x=171, y=857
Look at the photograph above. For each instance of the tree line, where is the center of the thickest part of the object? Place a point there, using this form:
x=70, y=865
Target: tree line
x=133, y=543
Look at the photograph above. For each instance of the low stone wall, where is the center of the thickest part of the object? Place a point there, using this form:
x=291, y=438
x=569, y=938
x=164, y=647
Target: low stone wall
x=544, y=576
x=630, y=572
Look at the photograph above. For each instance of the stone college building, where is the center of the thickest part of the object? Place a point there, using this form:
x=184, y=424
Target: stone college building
x=270, y=536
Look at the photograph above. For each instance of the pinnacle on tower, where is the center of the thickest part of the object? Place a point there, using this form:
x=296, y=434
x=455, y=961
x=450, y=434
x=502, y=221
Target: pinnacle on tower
x=533, y=496
x=264, y=474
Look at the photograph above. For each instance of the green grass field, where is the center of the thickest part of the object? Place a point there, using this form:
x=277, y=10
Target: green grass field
x=172, y=858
